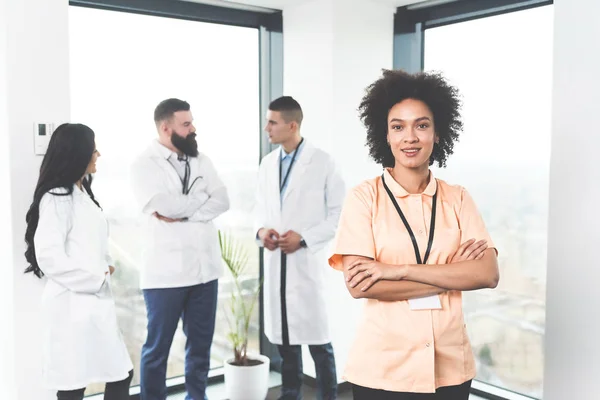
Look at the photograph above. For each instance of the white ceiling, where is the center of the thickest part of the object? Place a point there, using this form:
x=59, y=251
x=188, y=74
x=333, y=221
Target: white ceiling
x=264, y=5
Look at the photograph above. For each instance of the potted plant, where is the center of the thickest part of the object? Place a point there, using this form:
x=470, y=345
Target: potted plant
x=246, y=375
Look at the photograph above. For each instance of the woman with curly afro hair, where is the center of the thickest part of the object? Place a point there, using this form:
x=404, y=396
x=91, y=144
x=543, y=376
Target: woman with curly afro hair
x=409, y=244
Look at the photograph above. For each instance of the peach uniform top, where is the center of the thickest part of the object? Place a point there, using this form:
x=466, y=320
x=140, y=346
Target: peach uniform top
x=396, y=348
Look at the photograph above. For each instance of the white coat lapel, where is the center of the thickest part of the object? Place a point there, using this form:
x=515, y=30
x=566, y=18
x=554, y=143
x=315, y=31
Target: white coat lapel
x=162, y=157
x=299, y=169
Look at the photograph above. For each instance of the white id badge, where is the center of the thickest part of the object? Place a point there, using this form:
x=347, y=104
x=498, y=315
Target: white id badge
x=426, y=303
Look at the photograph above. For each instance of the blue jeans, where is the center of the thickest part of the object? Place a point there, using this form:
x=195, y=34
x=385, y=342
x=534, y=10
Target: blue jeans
x=197, y=306
x=291, y=371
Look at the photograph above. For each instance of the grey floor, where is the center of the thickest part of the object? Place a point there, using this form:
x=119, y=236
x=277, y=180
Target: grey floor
x=309, y=394
x=217, y=391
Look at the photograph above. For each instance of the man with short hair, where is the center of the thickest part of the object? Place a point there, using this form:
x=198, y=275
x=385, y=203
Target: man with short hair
x=180, y=192
x=299, y=200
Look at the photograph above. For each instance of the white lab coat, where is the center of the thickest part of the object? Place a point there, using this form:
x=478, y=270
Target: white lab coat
x=178, y=254
x=311, y=207
x=82, y=342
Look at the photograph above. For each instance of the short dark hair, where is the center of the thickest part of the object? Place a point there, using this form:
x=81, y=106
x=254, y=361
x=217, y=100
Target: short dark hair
x=395, y=86
x=289, y=108
x=166, y=108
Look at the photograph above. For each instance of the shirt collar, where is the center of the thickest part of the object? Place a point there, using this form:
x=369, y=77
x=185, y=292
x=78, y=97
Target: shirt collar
x=399, y=191
x=285, y=155
x=164, y=151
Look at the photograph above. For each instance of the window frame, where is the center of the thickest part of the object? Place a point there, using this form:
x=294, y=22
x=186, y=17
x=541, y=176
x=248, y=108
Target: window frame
x=410, y=23
x=190, y=11
x=270, y=47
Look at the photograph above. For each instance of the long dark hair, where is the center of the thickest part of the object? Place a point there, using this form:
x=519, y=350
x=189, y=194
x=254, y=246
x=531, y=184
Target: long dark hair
x=69, y=153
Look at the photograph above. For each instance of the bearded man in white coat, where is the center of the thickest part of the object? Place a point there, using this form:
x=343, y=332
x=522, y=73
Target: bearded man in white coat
x=180, y=192
x=299, y=199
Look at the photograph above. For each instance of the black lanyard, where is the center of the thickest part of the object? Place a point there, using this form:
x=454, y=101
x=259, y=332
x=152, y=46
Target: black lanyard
x=410, y=232
x=283, y=284
x=287, y=175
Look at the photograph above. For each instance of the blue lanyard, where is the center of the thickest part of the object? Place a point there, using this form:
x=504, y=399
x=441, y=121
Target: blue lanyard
x=287, y=175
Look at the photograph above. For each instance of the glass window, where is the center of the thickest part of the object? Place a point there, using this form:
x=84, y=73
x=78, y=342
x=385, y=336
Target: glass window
x=503, y=67
x=122, y=66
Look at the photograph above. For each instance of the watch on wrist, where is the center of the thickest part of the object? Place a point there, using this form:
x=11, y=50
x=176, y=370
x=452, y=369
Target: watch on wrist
x=302, y=243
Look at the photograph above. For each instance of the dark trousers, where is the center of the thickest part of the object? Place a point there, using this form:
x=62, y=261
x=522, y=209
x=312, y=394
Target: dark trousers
x=114, y=391
x=291, y=371
x=460, y=392
x=197, y=307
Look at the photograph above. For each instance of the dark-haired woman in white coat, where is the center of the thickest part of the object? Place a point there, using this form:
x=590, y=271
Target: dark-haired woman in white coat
x=67, y=242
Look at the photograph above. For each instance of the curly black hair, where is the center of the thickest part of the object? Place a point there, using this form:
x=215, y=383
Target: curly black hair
x=395, y=86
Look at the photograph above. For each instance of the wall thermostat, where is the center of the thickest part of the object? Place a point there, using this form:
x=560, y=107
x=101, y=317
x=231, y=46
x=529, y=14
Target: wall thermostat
x=41, y=137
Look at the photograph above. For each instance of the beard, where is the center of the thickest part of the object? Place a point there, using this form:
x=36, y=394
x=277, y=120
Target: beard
x=187, y=145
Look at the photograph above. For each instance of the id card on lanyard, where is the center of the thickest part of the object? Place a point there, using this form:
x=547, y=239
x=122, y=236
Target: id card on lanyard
x=429, y=302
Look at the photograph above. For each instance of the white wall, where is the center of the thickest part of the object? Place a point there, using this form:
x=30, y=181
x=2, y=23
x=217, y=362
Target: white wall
x=363, y=46
x=6, y=283
x=332, y=51
x=572, y=353
x=308, y=65
x=37, y=89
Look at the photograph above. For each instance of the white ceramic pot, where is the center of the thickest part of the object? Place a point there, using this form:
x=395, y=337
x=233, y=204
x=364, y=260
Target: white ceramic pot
x=247, y=383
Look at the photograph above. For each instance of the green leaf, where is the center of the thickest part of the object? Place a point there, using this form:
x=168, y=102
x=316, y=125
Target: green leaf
x=239, y=313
